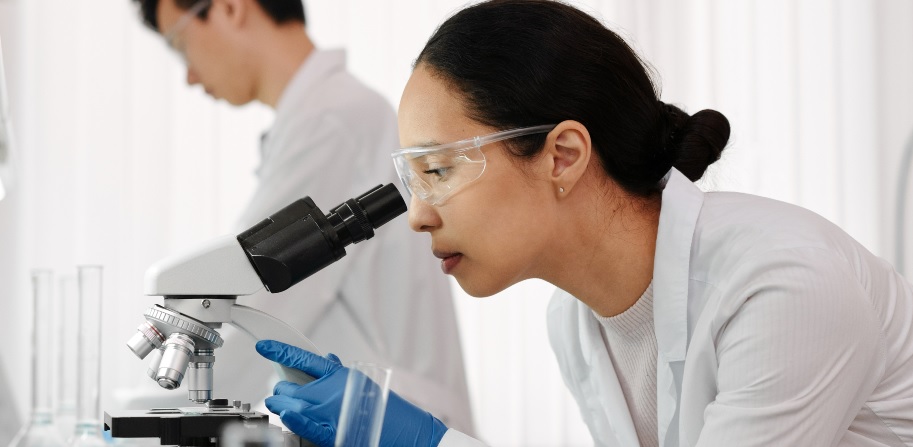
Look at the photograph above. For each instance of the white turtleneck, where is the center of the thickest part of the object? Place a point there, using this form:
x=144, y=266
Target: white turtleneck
x=630, y=339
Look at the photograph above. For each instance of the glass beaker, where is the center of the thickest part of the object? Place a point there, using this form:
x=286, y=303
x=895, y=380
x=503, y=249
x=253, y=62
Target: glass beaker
x=364, y=402
x=88, y=431
x=40, y=430
x=67, y=324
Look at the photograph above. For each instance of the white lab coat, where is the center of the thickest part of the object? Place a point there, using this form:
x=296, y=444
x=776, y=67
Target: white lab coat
x=773, y=327
x=386, y=301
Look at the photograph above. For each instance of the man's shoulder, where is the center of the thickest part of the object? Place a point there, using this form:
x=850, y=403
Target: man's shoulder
x=341, y=100
x=337, y=91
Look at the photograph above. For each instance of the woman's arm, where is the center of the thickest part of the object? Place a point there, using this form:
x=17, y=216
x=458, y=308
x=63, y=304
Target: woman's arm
x=799, y=357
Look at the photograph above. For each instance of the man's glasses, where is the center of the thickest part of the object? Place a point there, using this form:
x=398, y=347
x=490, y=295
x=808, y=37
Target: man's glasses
x=173, y=37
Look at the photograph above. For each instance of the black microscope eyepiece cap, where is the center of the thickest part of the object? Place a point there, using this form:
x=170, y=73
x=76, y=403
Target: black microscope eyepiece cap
x=382, y=204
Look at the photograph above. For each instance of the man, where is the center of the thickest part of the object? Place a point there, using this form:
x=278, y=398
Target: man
x=385, y=302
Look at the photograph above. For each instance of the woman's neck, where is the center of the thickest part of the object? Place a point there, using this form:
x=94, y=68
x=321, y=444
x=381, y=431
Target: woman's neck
x=608, y=263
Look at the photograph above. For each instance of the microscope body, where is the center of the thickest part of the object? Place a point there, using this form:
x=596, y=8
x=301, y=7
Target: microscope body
x=200, y=286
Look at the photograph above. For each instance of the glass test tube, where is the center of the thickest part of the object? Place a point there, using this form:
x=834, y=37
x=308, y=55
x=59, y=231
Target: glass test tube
x=67, y=326
x=42, y=392
x=40, y=430
x=88, y=421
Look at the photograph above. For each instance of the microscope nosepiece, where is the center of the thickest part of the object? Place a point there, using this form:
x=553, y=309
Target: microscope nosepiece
x=175, y=358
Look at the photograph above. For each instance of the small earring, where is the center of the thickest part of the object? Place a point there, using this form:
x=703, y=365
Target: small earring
x=560, y=189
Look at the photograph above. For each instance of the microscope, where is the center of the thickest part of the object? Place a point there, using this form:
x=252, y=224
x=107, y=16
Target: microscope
x=200, y=288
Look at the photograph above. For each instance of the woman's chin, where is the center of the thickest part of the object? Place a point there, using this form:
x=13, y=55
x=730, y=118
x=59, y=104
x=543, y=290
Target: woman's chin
x=479, y=289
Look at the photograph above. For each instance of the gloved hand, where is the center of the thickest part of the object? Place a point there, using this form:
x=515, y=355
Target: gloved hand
x=312, y=410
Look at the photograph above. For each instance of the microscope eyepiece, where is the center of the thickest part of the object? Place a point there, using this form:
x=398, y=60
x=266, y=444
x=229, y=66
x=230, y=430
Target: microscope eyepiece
x=300, y=240
x=382, y=204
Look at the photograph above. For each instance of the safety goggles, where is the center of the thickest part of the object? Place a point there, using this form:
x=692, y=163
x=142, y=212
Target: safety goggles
x=434, y=173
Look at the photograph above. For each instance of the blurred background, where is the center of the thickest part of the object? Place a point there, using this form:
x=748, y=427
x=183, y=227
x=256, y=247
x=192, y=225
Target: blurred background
x=119, y=163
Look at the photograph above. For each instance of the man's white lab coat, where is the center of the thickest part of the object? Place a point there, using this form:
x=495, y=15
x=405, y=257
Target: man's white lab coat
x=386, y=301
x=774, y=328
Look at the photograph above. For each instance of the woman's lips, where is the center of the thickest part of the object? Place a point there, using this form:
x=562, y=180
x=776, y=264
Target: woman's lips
x=449, y=260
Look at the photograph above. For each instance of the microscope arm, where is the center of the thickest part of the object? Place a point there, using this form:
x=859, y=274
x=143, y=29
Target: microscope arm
x=262, y=326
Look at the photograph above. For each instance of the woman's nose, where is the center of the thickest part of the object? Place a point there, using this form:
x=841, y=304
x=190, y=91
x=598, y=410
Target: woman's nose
x=422, y=216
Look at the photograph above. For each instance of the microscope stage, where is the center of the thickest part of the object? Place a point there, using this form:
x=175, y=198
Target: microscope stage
x=188, y=426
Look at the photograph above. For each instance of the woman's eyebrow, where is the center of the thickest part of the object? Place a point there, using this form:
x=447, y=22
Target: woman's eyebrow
x=427, y=143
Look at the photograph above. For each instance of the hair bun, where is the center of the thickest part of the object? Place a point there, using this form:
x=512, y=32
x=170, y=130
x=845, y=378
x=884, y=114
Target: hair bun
x=698, y=140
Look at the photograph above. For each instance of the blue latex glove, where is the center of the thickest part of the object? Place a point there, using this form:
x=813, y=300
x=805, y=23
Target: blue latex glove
x=312, y=410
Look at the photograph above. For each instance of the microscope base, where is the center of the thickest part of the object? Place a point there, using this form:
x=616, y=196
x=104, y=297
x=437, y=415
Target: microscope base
x=189, y=426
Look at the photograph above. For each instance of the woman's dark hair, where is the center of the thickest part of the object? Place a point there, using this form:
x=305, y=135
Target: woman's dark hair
x=522, y=63
x=280, y=11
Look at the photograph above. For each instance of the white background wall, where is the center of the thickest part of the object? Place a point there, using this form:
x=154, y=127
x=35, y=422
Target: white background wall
x=119, y=163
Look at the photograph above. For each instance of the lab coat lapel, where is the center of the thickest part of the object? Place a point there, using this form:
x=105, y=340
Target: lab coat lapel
x=681, y=205
x=602, y=388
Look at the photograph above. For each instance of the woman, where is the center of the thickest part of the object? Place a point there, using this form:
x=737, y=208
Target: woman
x=683, y=317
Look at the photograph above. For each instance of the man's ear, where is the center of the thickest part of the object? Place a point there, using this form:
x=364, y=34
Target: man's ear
x=234, y=10
x=568, y=149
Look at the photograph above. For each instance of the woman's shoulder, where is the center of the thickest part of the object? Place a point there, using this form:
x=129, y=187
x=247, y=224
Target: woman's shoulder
x=750, y=224
x=735, y=229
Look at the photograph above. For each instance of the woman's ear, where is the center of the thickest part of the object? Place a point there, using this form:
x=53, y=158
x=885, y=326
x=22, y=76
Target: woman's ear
x=568, y=148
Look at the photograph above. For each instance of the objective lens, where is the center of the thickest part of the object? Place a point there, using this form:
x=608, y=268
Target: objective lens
x=146, y=339
x=199, y=376
x=178, y=351
x=154, y=362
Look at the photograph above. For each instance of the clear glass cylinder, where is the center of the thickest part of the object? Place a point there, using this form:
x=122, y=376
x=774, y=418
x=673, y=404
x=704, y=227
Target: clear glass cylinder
x=67, y=324
x=88, y=430
x=40, y=431
x=364, y=403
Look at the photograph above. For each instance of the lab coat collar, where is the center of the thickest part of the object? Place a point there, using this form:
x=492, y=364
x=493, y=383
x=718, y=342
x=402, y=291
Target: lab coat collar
x=681, y=206
x=603, y=389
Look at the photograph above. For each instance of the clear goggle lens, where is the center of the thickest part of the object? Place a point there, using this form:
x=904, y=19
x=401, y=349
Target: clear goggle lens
x=433, y=177
x=435, y=173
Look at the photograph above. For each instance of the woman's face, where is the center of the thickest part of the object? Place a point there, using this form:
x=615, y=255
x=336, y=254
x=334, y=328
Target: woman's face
x=493, y=232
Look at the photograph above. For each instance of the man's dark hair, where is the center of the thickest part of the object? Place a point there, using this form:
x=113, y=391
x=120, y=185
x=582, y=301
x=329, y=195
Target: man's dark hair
x=281, y=11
